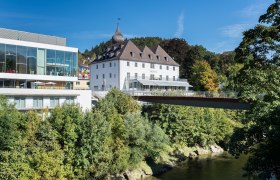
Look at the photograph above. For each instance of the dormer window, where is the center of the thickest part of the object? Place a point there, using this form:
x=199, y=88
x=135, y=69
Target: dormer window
x=150, y=56
x=141, y=55
x=166, y=58
x=158, y=58
x=132, y=54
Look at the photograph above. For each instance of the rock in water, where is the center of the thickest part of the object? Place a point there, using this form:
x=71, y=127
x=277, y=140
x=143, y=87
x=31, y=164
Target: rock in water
x=216, y=149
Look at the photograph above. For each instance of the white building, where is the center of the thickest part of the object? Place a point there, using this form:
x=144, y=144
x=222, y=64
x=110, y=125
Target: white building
x=127, y=67
x=38, y=71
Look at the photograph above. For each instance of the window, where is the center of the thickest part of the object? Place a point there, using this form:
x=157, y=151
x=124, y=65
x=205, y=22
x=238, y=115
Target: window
x=136, y=75
x=60, y=69
x=115, y=64
x=103, y=75
x=11, y=59
x=167, y=67
x=160, y=66
x=103, y=65
x=152, y=65
x=150, y=56
x=132, y=54
x=128, y=75
x=54, y=101
x=114, y=75
x=173, y=68
x=96, y=76
x=20, y=102
x=127, y=63
x=51, y=70
x=160, y=77
x=78, y=83
x=166, y=58
x=141, y=55
x=2, y=58
x=110, y=64
x=96, y=66
x=110, y=75
x=152, y=77
x=143, y=76
x=174, y=78
x=21, y=60
x=167, y=78
x=143, y=65
x=38, y=102
x=69, y=100
x=136, y=64
x=158, y=58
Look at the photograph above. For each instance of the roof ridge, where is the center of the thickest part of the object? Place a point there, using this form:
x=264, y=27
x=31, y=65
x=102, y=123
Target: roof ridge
x=122, y=49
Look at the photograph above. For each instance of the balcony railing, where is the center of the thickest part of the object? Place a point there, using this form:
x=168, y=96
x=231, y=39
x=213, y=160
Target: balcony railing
x=40, y=87
x=208, y=94
x=155, y=78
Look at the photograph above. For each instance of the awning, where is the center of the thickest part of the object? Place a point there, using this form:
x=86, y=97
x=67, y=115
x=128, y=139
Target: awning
x=164, y=83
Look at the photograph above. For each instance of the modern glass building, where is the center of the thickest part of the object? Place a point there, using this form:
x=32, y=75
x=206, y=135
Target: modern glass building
x=30, y=60
x=38, y=71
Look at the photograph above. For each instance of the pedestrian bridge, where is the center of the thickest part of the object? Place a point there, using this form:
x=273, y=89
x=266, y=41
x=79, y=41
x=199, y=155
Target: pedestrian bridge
x=224, y=100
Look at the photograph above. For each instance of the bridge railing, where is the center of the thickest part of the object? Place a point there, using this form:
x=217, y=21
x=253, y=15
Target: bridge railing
x=207, y=94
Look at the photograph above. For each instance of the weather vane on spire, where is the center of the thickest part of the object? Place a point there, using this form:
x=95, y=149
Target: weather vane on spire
x=118, y=37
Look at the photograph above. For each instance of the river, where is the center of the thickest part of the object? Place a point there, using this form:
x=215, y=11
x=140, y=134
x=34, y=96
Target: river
x=221, y=167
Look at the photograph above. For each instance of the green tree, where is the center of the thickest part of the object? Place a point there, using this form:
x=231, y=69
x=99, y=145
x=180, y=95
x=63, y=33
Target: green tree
x=65, y=121
x=191, y=126
x=258, y=83
x=37, y=156
x=9, y=124
x=178, y=49
x=147, y=41
x=203, y=77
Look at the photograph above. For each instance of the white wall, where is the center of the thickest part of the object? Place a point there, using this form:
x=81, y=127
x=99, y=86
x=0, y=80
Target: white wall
x=121, y=66
x=114, y=70
x=124, y=69
x=37, y=77
x=82, y=97
x=37, y=45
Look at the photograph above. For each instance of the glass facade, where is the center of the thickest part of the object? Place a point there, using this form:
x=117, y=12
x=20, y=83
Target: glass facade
x=69, y=100
x=38, y=102
x=54, y=101
x=20, y=102
x=29, y=60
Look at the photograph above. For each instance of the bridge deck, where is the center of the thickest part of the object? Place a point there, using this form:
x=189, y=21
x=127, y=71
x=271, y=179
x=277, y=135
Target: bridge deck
x=210, y=102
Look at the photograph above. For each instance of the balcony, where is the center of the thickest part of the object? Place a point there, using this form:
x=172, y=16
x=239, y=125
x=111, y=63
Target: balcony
x=156, y=78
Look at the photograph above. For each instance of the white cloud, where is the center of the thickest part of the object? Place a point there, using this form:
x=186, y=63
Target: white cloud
x=255, y=9
x=222, y=46
x=235, y=30
x=180, y=23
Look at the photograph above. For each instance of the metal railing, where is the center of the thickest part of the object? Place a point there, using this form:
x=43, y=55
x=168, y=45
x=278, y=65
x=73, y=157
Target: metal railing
x=207, y=94
x=156, y=78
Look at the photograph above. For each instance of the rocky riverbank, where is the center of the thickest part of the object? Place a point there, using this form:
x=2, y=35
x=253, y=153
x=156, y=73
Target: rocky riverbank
x=166, y=162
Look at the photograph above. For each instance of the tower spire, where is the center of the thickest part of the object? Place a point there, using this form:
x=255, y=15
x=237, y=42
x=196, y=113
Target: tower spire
x=118, y=37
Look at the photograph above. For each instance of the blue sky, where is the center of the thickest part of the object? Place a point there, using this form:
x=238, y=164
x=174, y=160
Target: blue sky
x=215, y=24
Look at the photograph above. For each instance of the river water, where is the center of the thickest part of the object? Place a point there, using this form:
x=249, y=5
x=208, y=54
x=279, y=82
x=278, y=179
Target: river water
x=221, y=167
